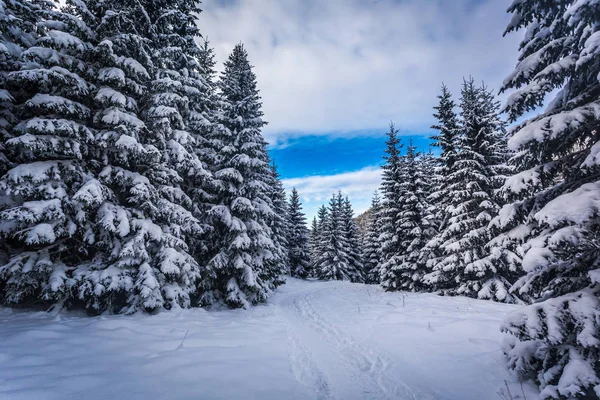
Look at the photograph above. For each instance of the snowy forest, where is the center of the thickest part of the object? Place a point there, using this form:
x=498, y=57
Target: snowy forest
x=135, y=178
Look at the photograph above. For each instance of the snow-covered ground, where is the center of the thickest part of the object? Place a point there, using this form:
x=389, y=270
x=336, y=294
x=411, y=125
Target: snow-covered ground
x=313, y=340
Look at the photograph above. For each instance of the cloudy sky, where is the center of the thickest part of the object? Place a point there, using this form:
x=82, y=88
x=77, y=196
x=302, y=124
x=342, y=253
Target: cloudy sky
x=334, y=73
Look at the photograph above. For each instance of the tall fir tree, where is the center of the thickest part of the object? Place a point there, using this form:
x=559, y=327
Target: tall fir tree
x=317, y=237
x=143, y=218
x=177, y=39
x=331, y=263
x=279, y=222
x=429, y=172
x=18, y=19
x=554, y=198
x=391, y=231
x=203, y=124
x=503, y=264
x=245, y=268
x=464, y=266
x=204, y=111
x=298, y=239
x=371, y=246
x=313, y=243
x=17, y=33
x=131, y=211
x=177, y=82
x=447, y=140
x=47, y=224
x=409, y=271
x=501, y=268
x=126, y=275
x=334, y=262
x=352, y=239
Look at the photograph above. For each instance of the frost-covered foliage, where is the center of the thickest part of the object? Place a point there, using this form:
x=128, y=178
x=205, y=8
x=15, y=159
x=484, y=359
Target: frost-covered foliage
x=142, y=215
x=298, y=238
x=46, y=224
x=124, y=276
x=336, y=260
x=463, y=265
x=350, y=233
x=18, y=19
x=406, y=220
x=279, y=221
x=203, y=123
x=391, y=231
x=371, y=245
x=112, y=129
x=317, y=238
x=313, y=242
x=245, y=267
x=177, y=83
x=17, y=22
x=555, y=342
x=429, y=167
x=408, y=270
x=554, y=218
x=446, y=139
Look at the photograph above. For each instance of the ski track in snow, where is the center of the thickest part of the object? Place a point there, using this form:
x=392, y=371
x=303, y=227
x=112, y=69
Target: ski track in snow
x=306, y=371
x=369, y=367
x=311, y=341
x=303, y=364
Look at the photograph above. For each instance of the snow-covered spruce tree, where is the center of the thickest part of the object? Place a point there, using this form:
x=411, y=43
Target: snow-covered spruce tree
x=176, y=91
x=371, y=247
x=313, y=242
x=18, y=19
x=464, y=266
x=125, y=207
x=202, y=123
x=204, y=110
x=352, y=239
x=298, y=240
x=446, y=139
x=279, y=222
x=186, y=79
x=134, y=221
x=429, y=166
x=245, y=266
x=391, y=231
x=132, y=217
x=317, y=239
x=556, y=341
x=500, y=268
x=333, y=263
x=503, y=262
x=409, y=272
x=46, y=225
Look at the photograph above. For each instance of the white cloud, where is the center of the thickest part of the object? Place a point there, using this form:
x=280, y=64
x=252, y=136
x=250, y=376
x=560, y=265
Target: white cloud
x=314, y=191
x=357, y=64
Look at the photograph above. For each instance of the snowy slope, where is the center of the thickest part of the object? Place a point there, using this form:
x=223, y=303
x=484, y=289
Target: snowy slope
x=313, y=340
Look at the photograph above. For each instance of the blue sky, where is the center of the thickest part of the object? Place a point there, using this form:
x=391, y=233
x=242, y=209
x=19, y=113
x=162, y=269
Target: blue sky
x=313, y=155
x=333, y=74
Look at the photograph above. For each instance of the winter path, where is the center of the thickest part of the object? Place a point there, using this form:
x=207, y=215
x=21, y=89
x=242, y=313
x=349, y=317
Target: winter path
x=313, y=340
